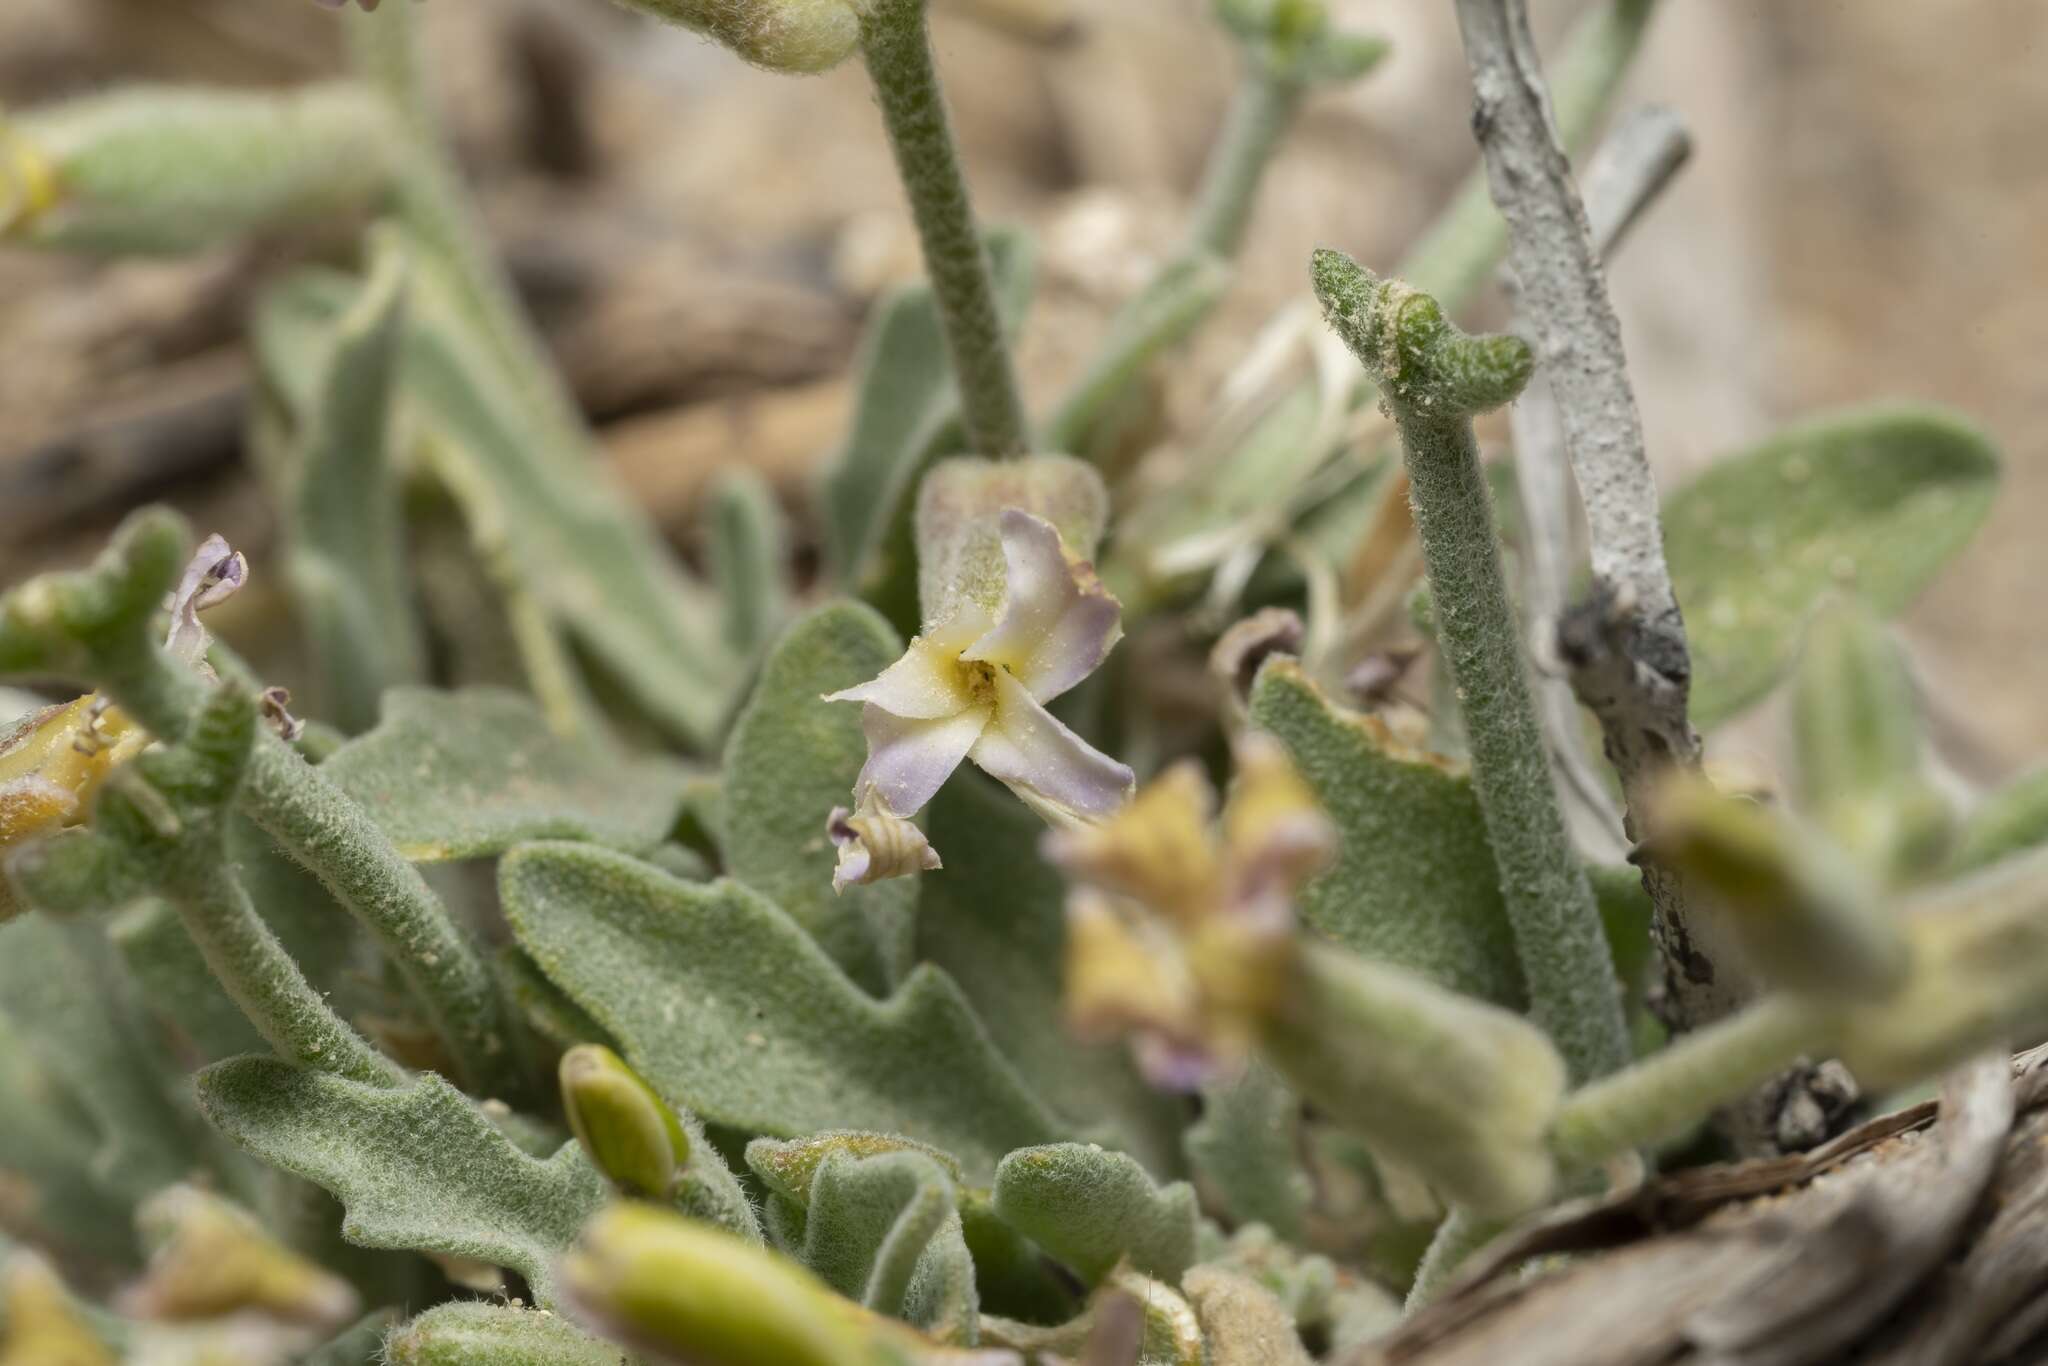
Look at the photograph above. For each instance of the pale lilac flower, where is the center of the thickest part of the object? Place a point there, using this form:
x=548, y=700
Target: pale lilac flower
x=212, y=576
x=975, y=687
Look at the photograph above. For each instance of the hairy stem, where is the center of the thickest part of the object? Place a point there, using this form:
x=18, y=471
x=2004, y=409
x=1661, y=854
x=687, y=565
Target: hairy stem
x=1461, y=1234
x=1434, y=379
x=1259, y=116
x=261, y=977
x=1670, y=1091
x=337, y=841
x=897, y=47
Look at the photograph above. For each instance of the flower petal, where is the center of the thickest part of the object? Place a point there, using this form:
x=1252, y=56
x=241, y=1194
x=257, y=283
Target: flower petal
x=1058, y=621
x=924, y=685
x=211, y=578
x=1158, y=848
x=909, y=760
x=1026, y=747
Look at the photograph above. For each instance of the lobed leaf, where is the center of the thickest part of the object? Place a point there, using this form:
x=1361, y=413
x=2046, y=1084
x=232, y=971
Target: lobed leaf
x=1092, y=1208
x=793, y=757
x=469, y=774
x=1414, y=882
x=418, y=1167
x=722, y=1002
x=1876, y=500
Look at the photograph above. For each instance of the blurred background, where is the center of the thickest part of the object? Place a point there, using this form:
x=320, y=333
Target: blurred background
x=1862, y=219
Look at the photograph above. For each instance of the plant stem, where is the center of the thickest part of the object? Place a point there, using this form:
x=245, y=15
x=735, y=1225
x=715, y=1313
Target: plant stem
x=897, y=48
x=1670, y=1091
x=1461, y=1234
x=266, y=983
x=1259, y=116
x=337, y=841
x=1434, y=379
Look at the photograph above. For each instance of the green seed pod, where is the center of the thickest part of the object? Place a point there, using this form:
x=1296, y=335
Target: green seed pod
x=631, y=1135
x=1464, y=1093
x=155, y=171
x=798, y=36
x=1805, y=917
x=691, y=1292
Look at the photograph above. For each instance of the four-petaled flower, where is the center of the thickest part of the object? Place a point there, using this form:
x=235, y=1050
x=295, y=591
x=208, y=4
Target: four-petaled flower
x=1181, y=934
x=974, y=686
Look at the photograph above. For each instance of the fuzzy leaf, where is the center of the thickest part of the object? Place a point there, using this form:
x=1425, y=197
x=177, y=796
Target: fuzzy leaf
x=172, y=978
x=473, y=1333
x=793, y=757
x=994, y=918
x=2010, y=821
x=359, y=1344
x=906, y=404
x=1091, y=1208
x=418, y=1166
x=750, y=558
x=47, y=1147
x=1874, y=500
x=884, y=1230
x=1414, y=882
x=1245, y=1148
x=459, y=775
x=727, y=1007
x=1242, y=1324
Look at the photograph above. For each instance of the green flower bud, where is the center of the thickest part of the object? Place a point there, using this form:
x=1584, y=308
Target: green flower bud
x=631, y=1135
x=1462, y=1092
x=173, y=170
x=800, y=36
x=691, y=1292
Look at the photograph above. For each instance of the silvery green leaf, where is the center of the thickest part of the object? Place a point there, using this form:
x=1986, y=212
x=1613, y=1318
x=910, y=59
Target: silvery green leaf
x=1874, y=501
x=725, y=1005
x=1414, y=882
x=791, y=759
x=476, y=1333
x=884, y=1230
x=1091, y=1208
x=1246, y=1148
x=461, y=775
x=2010, y=821
x=750, y=558
x=418, y=1166
x=47, y=1151
x=359, y=1344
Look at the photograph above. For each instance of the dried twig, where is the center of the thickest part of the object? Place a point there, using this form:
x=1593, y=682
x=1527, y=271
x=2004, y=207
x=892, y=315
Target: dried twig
x=1630, y=169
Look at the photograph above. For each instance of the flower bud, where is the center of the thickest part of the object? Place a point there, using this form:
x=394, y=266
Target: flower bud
x=630, y=1134
x=687, y=1291
x=798, y=36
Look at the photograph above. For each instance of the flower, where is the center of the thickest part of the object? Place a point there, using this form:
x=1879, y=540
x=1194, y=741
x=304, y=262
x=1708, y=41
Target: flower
x=975, y=686
x=1180, y=931
x=874, y=845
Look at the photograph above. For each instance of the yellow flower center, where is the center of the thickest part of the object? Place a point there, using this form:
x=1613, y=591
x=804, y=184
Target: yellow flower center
x=978, y=677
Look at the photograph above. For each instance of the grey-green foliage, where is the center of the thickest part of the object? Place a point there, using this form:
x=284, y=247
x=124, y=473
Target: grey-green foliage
x=475, y=1333
x=995, y=920
x=884, y=1230
x=749, y=550
x=70, y=1010
x=905, y=405
x=1092, y=1208
x=793, y=757
x=345, y=555
x=418, y=1166
x=468, y=774
x=1246, y=1149
x=1435, y=379
x=1414, y=880
x=48, y=1151
x=359, y=1344
x=1872, y=500
x=174, y=169
x=726, y=1006
x=2010, y=821
x=1862, y=763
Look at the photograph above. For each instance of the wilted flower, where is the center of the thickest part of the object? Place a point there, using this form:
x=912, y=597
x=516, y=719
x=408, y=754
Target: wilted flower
x=975, y=686
x=874, y=845
x=1182, y=933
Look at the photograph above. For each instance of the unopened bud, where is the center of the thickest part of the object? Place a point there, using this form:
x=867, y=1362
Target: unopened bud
x=685, y=1290
x=798, y=36
x=629, y=1132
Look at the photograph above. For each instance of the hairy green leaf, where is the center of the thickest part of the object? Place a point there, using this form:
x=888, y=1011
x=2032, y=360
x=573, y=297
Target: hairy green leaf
x=459, y=775
x=793, y=757
x=1246, y=1149
x=359, y=1344
x=1875, y=500
x=1414, y=882
x=2010, y=821
x=727, y=1007
x=47, y=1151
x=1091, y=1208
x=475, y=1333
x=418, y=1166
x=994, y=919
